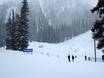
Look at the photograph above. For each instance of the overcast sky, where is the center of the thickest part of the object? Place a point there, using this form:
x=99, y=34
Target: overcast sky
x=4, y=1
x=91, y=2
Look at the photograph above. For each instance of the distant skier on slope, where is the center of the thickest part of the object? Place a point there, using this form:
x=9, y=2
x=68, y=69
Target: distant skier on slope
x=85, y=58
x=72, y=58
x=69, y=58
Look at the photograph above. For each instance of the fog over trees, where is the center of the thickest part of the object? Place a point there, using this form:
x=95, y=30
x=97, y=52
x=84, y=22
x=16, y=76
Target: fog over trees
x=51, y=21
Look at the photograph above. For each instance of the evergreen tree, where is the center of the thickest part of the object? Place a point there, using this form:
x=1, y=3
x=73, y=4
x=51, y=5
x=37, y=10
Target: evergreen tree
x=16, y=33
x=23, y=28
x=98, y=27
x=17, y=29
x=9, y=33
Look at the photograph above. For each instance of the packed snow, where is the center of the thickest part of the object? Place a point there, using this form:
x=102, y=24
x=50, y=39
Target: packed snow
x=50, y=60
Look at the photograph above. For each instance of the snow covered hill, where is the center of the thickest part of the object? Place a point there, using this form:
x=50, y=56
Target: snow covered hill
x=50, y=60
x=78, y=46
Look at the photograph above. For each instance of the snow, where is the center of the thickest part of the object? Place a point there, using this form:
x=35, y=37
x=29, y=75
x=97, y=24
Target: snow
x=50, y=60
x=79, y=46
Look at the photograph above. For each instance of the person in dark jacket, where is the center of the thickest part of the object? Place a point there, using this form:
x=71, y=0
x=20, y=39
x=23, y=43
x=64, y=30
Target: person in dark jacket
x=72, y=58
x=69, y=58
x=85, y=58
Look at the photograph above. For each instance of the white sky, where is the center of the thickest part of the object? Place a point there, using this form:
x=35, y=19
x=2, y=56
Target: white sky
x=5, y=1
x=91, y=2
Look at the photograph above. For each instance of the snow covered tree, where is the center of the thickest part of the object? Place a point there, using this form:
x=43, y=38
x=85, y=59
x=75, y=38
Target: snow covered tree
x=9, y=33
x=16, y=33
x=17, y=29
x=23, y=27
x=98, y=27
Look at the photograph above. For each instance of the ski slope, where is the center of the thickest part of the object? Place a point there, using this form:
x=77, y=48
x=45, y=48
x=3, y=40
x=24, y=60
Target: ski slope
x=50, y=60
x=78, y=46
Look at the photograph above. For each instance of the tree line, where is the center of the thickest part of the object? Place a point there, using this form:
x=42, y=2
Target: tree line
x=18, y=33
x=42, y=31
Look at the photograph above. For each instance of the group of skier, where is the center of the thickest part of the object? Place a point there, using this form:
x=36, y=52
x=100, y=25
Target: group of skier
x=73, y=58
x=69, y=58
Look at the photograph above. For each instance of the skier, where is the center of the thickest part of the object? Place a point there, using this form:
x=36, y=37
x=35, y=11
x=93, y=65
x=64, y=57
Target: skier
x=85, y=58
x=72, y=58
x=89, y=58
x=69, y=58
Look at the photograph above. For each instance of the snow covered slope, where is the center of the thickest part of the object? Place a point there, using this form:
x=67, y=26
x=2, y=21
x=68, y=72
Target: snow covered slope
x=50, y=61
x=78, y=46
